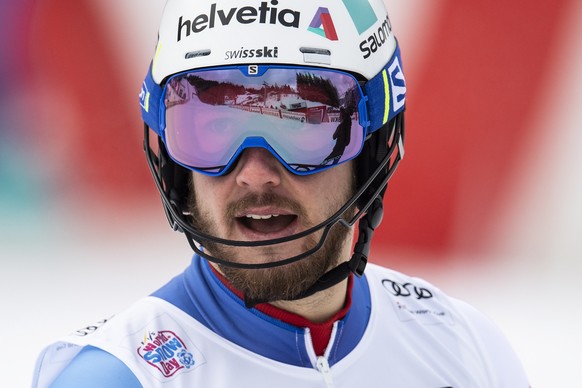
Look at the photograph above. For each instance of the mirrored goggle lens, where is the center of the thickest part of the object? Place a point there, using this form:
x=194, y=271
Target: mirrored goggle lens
x=308, y=118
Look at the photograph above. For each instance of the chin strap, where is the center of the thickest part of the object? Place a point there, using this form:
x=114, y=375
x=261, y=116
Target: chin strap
x=357, y=262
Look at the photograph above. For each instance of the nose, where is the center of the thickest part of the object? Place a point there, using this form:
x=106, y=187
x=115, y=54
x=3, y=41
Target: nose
x=258, y=169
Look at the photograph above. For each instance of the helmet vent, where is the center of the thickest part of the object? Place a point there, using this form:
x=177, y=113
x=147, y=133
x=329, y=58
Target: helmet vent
x=196, y=54
x=316, y=55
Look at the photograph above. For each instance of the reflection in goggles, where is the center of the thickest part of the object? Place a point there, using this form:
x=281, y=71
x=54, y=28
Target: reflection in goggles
x=309, y=119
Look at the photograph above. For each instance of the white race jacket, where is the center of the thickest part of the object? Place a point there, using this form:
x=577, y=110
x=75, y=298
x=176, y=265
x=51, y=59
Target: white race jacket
x=401, y=332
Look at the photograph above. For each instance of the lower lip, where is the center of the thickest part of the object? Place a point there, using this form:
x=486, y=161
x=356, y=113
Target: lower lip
x=253, y=235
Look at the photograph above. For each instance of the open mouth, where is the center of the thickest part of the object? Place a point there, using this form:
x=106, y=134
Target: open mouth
x=267, y=225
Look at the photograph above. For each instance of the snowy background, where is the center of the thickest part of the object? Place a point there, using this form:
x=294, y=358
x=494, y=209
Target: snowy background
x=486, y=203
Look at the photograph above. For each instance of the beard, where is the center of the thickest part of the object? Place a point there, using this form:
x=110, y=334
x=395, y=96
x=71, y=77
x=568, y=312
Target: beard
x=284, y=282
x=287, y=281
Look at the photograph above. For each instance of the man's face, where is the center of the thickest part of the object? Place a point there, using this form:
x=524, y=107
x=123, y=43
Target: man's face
x=261, y=200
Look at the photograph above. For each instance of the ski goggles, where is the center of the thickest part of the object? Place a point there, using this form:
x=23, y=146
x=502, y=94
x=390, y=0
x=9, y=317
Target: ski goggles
x=310, y=119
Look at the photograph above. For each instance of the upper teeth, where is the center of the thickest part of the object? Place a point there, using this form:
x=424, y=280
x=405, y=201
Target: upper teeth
x=259, y=217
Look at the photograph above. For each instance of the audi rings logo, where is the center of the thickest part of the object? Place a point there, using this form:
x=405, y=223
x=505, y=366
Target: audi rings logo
x=91, y=328
x=406, y=289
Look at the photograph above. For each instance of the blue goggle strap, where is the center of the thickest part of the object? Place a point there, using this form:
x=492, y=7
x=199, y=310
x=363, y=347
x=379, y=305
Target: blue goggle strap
x=150, y=98
x=386, y=93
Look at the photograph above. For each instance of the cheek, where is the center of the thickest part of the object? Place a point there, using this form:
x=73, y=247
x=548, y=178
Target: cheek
x=338, y=181
x=207, y=193
x=332, y=187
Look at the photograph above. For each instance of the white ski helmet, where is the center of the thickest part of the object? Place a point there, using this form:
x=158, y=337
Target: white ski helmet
x=351, y=35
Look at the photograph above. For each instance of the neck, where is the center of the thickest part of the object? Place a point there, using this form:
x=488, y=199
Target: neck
x=318, y=307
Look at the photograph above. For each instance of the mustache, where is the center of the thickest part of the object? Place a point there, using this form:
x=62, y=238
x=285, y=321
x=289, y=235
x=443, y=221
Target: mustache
x=250, y=200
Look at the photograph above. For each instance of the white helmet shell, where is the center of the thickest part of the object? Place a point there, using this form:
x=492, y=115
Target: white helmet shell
x=350, y=35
